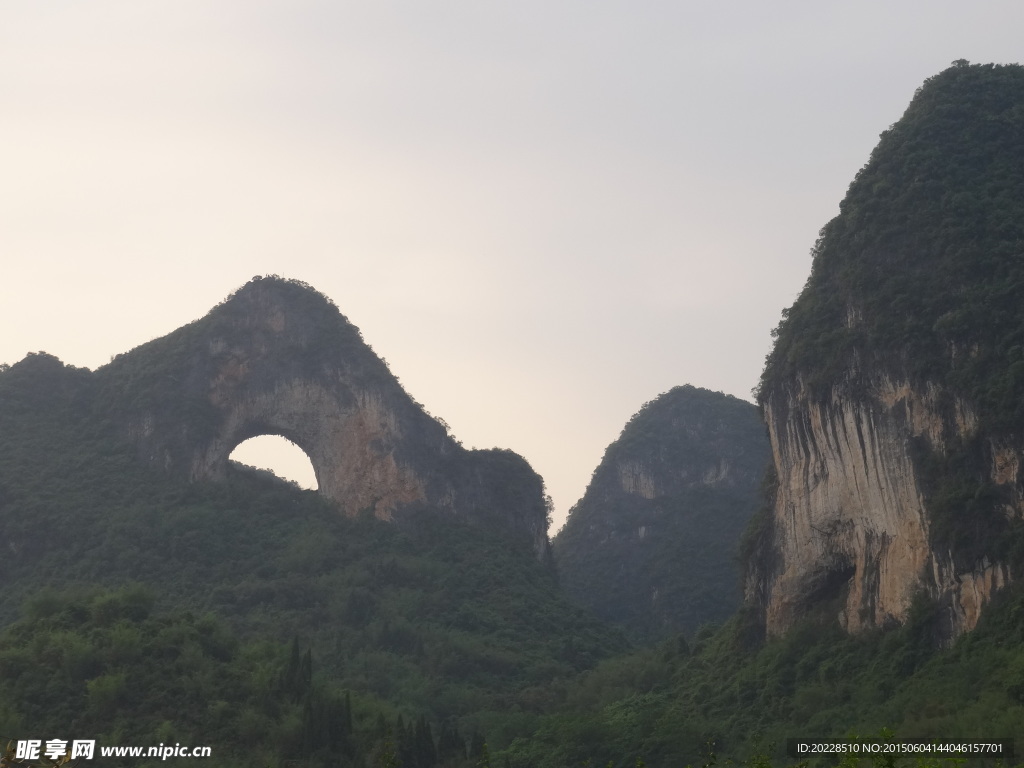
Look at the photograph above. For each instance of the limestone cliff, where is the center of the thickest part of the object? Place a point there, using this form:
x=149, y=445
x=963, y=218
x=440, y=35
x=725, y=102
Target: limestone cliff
x=279, y=358
x=652, y=544
x=850, y=511
x=893, y=396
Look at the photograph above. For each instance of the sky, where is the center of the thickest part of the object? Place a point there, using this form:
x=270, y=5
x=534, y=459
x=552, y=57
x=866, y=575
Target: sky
x=542, y=214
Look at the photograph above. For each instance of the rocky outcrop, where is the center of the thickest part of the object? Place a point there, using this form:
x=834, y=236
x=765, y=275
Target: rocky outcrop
x=892, y=396
x=278, y=358
x=652, y=544
x=849, y=512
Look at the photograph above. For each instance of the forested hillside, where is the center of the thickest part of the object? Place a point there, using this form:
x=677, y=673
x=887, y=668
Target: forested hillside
x=729, y=696
x=653, y=545
x=434, y=618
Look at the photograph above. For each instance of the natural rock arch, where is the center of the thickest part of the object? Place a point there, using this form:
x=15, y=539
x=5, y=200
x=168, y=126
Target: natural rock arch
x=350, y=437
x=279, y=358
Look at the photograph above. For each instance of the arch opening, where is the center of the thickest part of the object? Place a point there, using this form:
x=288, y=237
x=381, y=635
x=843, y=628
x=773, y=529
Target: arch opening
x=278, y=455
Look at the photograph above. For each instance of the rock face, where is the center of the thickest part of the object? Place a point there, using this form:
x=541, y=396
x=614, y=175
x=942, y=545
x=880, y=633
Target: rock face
x=893, y=395
x=278, y=358
x=849, y=509
x=652, y=544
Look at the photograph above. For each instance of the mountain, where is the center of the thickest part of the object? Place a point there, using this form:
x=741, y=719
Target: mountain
x=277, y=357
x=134, y=552
x=653, y=543
x=894, y=395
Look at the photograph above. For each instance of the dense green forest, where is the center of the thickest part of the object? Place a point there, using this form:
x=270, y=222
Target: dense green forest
x=109, y=666
x=434, y=618
x=250, y=616
x=921, y=272
x=728, y=695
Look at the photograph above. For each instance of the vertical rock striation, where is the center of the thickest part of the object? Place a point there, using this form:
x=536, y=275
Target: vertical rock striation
x=849, y=511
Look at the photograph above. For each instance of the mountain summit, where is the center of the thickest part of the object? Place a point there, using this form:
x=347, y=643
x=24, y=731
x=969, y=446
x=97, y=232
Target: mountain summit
x=652, y=544
x=277, y=357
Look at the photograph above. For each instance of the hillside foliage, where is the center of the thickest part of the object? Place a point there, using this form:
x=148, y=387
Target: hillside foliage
x=108, y=666
x=662, y=559
x=721, y=698
x=923, y=269
x=437, y=618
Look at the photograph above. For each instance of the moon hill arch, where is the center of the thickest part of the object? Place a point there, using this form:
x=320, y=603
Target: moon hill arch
x=278, y=358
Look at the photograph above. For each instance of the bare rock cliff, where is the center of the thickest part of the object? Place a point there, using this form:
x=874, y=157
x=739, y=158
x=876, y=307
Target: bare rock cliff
x=849, y=510
x=278, y=358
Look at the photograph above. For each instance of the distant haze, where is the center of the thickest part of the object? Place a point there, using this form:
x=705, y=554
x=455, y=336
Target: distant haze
x=542, y=214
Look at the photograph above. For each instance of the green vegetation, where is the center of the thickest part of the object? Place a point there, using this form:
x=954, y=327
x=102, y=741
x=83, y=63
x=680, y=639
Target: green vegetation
x=110, y=664
x=250, y=616
x=662, y=559
x=921, y=273
x=432, y=618
x=104, y=665
x=669, y=705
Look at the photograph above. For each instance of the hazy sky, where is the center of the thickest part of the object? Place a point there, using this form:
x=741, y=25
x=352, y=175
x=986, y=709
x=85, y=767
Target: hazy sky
x=542, y=214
